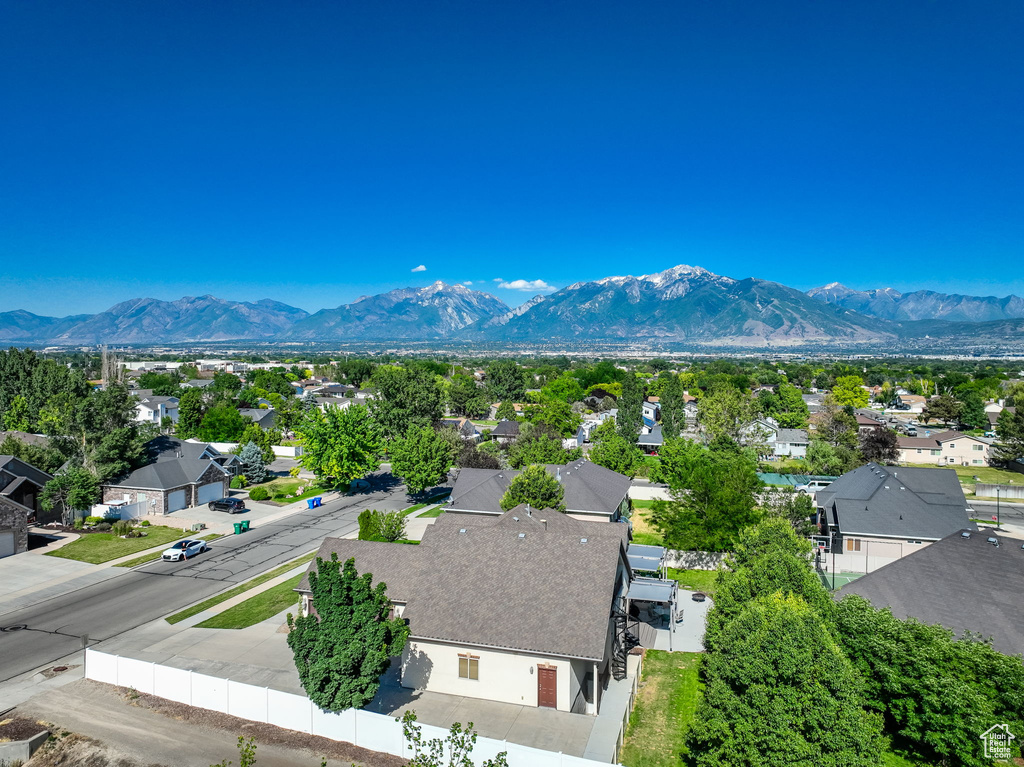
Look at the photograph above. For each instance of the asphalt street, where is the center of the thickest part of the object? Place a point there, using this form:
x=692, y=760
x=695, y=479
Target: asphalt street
x=1008, y=512
x=59, y=626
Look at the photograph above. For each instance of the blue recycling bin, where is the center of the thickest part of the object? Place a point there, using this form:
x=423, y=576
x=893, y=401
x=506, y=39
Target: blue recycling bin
x=311, y=502
x=319, y=501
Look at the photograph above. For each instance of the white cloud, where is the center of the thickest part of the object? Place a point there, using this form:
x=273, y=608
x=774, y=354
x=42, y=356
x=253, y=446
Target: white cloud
x=531, y=285
x=420, y=268
x=467, y=283
x=498, y=279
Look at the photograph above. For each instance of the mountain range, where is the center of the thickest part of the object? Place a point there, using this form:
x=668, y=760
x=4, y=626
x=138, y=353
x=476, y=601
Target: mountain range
x=682, y=305
x=890, y=304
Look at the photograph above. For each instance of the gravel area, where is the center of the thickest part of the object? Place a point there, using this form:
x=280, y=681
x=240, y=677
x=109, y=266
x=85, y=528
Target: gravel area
x=16, y=728
x=261, y=732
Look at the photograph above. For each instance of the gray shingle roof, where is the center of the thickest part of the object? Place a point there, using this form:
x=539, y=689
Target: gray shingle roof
x=18, y=468
x=653, y=438
x=896, y=502
x=546, y=592
x=164, y=448
x=165, y=475
x=589, y=488
x=506, y=429
x=964, y=584
x=791, y=435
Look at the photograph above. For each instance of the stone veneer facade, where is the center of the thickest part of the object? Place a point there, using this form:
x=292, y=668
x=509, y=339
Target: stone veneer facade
x=14, y=517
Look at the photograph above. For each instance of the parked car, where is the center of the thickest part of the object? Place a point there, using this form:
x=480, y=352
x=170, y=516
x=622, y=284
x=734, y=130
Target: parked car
x=813, y=486
x=230, y=505
x=182, y=550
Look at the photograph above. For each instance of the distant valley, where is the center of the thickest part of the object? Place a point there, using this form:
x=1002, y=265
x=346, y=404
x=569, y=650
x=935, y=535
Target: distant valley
x=684, y=305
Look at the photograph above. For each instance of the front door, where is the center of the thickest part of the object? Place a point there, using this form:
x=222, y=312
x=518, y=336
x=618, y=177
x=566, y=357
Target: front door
x=547, y=685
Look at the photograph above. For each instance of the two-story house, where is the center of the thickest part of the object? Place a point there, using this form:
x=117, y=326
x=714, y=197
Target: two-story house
x=947, y=448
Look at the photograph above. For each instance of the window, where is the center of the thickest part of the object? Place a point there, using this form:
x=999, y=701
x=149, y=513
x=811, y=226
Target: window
x=919, y=451
x=853, y=544
x=977, y=462
x=918, y=543
x=469, y=666
x=936, y=452
x=977, y=447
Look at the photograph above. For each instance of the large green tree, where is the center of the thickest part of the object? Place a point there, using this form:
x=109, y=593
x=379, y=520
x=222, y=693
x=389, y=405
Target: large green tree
x=944, y=408
x=629, y=419
x=222, y=423
x=673, y=415
x=714, y=496
x=346, y=643
x=725, y=411
x=190, y=413
x=537, y=444
x=405, y=399
x=340, y=444
x=780, y=692
x=536, y=487
x=849, y=391
x=254, y=466
x=615, y=453
x=75, y=489
x=506, y=381
x=937, y=693
x=1010, y=430
x=421, y=458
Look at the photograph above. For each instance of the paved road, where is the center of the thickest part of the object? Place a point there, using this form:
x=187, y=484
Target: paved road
x=56, y=627
x=1008, y=512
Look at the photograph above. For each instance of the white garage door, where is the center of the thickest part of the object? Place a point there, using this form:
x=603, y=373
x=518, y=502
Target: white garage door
x=6, y=544
x=176, y=500
x=210, y=492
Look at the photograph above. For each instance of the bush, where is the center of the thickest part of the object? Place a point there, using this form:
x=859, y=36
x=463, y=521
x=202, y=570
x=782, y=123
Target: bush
x=144, y=523
x=239, y=482
x=294, y=471
x=102, y=527
x=124, y=527
x=78, y=524
x=259, y=494
x=386, y=526
x=90, y=521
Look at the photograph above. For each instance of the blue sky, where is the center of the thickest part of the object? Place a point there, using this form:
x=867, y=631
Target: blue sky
x=313, y=152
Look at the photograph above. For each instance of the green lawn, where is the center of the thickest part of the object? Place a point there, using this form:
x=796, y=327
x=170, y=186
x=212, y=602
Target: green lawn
x=644, y=533
x=985, y=474
x=665, y=704
x=429, y=502
x=256, y=608
x=153, y=557
x=102, y=547
x=695, y=580
x=433, y=512
x=241, y=588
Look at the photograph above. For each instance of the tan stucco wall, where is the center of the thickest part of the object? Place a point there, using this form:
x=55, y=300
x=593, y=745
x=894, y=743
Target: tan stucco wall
x=504, y=676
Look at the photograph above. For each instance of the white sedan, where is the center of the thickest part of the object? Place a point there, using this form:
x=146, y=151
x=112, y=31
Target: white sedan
x=182, y=550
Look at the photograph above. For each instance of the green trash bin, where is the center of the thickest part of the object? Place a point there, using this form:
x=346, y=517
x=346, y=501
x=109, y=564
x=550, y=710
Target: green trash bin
x=245, y=525
x=238, y=528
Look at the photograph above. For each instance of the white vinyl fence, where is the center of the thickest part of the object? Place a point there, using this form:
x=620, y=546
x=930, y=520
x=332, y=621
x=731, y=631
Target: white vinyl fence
x=377, y=732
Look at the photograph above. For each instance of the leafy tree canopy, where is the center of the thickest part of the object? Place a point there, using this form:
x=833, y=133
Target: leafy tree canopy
x=406, y=399
x=536, y=487
x=421, y=458
x=340, y=444
x=346, y=643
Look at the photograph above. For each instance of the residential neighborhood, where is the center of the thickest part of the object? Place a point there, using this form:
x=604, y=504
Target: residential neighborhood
x=552, y=559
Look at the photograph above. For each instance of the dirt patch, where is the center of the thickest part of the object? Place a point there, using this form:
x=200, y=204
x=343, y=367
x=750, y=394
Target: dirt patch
x=261, y=732
x=69, y=749
x=53, y=671
x=16, y=728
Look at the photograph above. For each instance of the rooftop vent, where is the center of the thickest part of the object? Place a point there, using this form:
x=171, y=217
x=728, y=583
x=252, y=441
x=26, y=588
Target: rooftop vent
x=583, y=540
x=462, y=529
x=516, y=518
x=965, y=535
x=522, y=535
x=994, y=541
